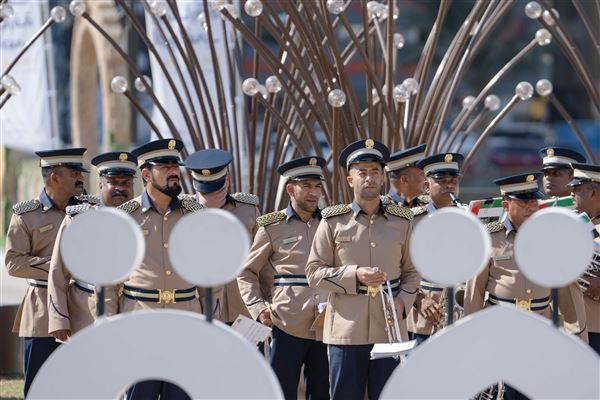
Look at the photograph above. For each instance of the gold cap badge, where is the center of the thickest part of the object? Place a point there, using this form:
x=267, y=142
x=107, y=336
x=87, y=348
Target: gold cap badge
x=550, y=152
x=206, y=172
x=312, y=162
x=530, y=178
x=448, y=158
x=172, y=144
x=369, y=143
x=123, y=157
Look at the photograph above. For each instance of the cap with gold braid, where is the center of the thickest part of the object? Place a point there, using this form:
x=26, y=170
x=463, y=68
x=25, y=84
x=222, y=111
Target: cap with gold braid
x=71, y=158
x=520, y=187
x=441, y=165
x=559, y=158
x=209, y=169
x=303, y=168
x=584, y=173
x=406, y=158
x=367, y=150
x=162, y=151
x=115, y=163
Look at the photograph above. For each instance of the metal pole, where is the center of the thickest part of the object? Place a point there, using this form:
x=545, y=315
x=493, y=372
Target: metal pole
x=100, y=302
x=208, y=304
x=449, y=305
x=555, y=321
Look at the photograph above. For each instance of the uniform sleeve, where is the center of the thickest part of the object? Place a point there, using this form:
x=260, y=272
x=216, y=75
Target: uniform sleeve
x=248, y=280
x=19, y=261
x=571, y=306
x=58, y=286
x=475, y=291
x=410, y=279
x=321, y=270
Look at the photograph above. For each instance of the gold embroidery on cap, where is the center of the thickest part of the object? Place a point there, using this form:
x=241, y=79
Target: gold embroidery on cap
x=369, y=143
x=448, y=158
x=206, y=172
x=550, y=152
x=530, y=178
x=123, y=157
x=312, y=162
x=172, y=144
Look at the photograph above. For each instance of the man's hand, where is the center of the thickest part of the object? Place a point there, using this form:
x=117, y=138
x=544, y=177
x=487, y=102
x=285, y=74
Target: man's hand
x=594, y=288
x=214, y=199
x=370, y=276
x=429, y=309
x=265, y=317
x=62, y=335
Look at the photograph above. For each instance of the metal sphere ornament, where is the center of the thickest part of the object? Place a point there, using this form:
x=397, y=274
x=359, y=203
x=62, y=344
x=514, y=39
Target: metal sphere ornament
x=533, y=10
x=58, y=14
x=272, y=84
x=118, y=84
x=77, y=7
x=543, y=37
x=250, y=87
x=544, y=87
x=524, y=90
x=158, y=8
x=336, y=98
x=253, y=7
x=492, y=102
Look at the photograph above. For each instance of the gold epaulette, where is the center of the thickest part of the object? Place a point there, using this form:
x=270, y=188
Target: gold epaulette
x=399, y=211
x=418, y=210
x=271, y=218
x=495, y=226
x=246, y=198
x=424, y=198
x=89, y=198
x=190, y=203
x=26, y=206
x=338, y=209
x=129, y=206
x=78, y=209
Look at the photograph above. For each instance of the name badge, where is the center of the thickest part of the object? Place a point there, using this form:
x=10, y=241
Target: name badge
x=503, y=257
x=341, y=239
x=292, y=239
x=46, y=228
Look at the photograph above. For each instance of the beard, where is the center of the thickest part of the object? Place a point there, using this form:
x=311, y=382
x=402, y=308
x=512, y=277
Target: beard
x=172, y=190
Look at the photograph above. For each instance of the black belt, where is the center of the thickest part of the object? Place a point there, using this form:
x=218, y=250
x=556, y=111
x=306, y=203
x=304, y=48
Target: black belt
x=159, y=296
x=530, y=304
x=430, y=286
x=83, y=288
x=394, y=284
x=290, y=280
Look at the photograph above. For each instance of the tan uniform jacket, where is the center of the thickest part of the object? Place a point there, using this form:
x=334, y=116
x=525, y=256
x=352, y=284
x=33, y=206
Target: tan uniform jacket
x=71, y=303
x=503, y=279
x=346, y=239
x=282, y=245
x=29, y=242
x=592, y=307
x=156, y=272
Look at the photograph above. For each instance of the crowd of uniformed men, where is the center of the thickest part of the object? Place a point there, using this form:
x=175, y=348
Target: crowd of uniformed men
x=312, y=275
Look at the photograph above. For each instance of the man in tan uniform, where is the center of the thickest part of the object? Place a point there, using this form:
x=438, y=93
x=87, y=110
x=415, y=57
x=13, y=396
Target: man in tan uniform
x=407, y=181
x=443, y=174
x=556, y=167
x=71, y=302
x=357, y=248
x=282, y=245
x=29, y=242
x=154, y=284
x=586, y=192
x=502, y=279
x=209, y=169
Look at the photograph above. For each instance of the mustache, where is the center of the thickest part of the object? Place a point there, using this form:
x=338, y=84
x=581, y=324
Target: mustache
x=79, y=183
x=173, y=176
x=119, y=193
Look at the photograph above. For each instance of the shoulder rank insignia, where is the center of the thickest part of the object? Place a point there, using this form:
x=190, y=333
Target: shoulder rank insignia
x=129, y=206
x=26, y=206
x=78, y=209
x=245, y=198
x=495, y=226
x=338, y=209
x=189, y=203
x=271, y=218
x=424, y=198
x=88, y=198
x=385, y=199
x=418, y=210
x=399, y=211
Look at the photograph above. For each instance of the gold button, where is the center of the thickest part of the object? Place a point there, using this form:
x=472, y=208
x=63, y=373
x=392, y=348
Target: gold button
x=316, y=296
x=168, y=272
x=166, y=245
x=373, y=244
x=371, y=222
x=165, y=218
x=528, y=291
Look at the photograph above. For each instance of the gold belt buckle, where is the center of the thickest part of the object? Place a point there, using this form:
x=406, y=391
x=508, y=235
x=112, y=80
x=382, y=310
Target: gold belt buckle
x=166, y=295
x=523, y=304
x=372, y=291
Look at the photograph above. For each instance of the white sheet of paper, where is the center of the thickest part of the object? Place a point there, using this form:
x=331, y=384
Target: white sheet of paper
x=385, y=350
x=253, y=331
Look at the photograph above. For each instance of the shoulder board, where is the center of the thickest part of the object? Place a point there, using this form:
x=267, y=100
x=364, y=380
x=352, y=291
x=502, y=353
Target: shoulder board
x=338, y=209
x=129, y=206
x=418, y=210
x=399, y=211
x=88, y=198
x=495, y=226
x=424, y=198
x=271, y=218
x=190, y=203
x=245, y=198
x=26, y=206
x=385, y=199
x=78, y=209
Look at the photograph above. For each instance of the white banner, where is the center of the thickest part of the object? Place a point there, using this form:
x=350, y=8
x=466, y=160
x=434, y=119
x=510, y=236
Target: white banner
x=25, y=120
x=190, y=10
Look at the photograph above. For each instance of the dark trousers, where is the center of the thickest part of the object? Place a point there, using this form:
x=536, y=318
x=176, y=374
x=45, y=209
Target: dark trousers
x=36, y=351
x=288, y=354
x=594, y=339
x=418, y=337
x=351, y=372
x=151, y=390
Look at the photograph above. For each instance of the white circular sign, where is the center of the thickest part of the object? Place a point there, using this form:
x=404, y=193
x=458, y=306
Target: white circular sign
x=450, y=246
x=209, y=248
x=102, y=246
x=553, y=247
